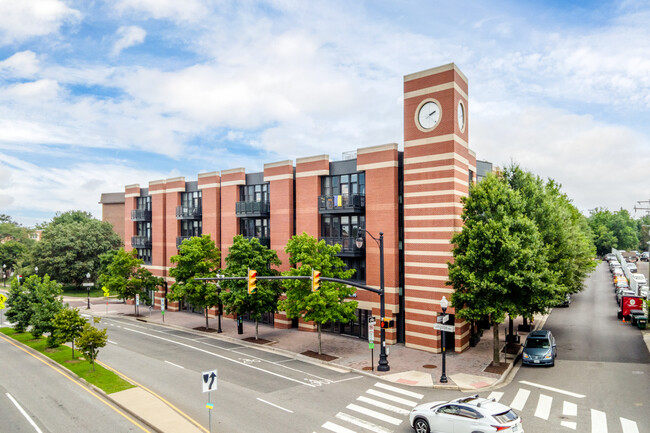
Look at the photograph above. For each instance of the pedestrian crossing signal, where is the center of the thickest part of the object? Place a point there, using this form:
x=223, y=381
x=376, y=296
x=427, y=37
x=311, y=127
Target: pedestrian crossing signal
x=252, y=281
x=315, y=280
x=387, y=323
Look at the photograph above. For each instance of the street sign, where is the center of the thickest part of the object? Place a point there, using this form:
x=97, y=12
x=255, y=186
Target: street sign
x=209, y=380
x=371, y=330
x=371, y=345
x=441, y=327
x=137, y=300
x=88, y=284
x=162, y=304
x=3, y=298
x=445, y=318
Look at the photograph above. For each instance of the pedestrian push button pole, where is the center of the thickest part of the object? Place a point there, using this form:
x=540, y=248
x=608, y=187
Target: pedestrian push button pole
x=252, y=281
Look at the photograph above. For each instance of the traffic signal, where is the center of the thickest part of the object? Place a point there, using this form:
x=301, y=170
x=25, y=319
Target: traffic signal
x=252, y=281
x=315, y=280
x=387, y=323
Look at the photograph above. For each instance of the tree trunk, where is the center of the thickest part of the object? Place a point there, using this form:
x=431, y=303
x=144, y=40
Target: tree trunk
x=72, y=349
x=496, y=359
x=206, y=320
x=320, y=345
x=135, y=308
x=257, y=332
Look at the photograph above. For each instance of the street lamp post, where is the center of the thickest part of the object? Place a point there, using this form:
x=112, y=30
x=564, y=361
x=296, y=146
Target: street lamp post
x=443, y=379
x=36, y=270
x=383, y=358
x=88, y=288
x=219, y=331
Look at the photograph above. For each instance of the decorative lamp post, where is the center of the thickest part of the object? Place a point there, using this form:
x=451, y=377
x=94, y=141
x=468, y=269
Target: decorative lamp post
x=383, y=358
x=88, y=288
x=36, y=270
x=219, y=331
x=443, y=379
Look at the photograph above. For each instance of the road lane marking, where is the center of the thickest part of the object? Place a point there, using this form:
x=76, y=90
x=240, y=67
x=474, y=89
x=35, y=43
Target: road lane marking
x=112, y=342
x=399, y=390
x=374, y=414
x=382, y=405
x=391, y=397
x=598, y=421
x=222, y=357
x=275, y=405
x=570, y=409
x=495, y=395
x=629, y=426
x=520, y=399
x=568, y=424
x=20, y=408
x=175, y=365
x=336, y=428
x=549, y=388
x=362, y=423
x=543, y=406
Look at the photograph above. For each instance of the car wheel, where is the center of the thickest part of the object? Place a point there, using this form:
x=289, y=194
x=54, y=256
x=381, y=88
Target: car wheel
x=421, y=425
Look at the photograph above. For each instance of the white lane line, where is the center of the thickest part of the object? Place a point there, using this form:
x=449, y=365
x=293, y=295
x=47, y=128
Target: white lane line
x=568, y=424
x=275, y=405
x=383, y=405
x=175, y=365
x=374, y=414
x=598, y=421
x=336, y=428
x=543, y=406
x=570, y=409
x=549, y=388
x=24, y=413
x=112, y=342
x=346, y=379
x=520, y=399
x=495, y=395
x=362, y=423
x=629, y=426
x=391, y=397
x=223, y=357
x=399, y=390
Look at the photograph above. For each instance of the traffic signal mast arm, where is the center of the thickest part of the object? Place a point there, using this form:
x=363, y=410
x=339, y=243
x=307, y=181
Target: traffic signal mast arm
x=296, y=277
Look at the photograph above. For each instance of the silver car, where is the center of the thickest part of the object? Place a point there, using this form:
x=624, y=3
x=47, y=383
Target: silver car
x=465, y=415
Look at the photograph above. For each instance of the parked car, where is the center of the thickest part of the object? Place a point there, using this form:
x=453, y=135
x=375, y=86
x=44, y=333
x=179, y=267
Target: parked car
x=609, y=257
x=645, y=256
x=613, y=265
x=467, y=414
x=539, y=349
x=619, y=278
x=632, y=267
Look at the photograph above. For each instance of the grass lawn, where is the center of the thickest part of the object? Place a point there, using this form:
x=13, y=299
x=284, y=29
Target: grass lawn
x=103, y=379
x=95, y=292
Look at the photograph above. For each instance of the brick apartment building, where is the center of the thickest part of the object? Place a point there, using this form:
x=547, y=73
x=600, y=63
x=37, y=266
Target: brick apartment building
x=412, y=196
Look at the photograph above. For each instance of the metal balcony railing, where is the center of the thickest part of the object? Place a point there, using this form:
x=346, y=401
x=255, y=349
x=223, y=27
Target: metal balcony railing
x=140, y=242
x=341, y=203
x=252, y=208
x=189, y=212
x=264, y=241
x=180, y=239
x=348, y=245
x=140, y=215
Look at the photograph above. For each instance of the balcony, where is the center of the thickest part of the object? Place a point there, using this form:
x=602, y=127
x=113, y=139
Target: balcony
x=189, y=212
x=264, y=241
x=140, y=215
x=343, y=203
x=180, y=239
x=252, y=209
x=348, y=245
x=140, y=242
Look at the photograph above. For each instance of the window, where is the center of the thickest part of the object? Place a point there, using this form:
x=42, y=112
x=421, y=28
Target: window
x=143, y=229
x=255, y=227
x=191, y=199
x=191, y=228
x=144, y=254
x=450, y=409
x=342, y=226
x=359, y=265
x=469, y=413
x=143, y=203
x=254, y=193
x=344, y=184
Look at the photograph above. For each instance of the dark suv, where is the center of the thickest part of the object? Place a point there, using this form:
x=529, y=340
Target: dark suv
x=539, y=349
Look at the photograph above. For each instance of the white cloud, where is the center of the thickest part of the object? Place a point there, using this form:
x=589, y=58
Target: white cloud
x=24, y=64
x=187, y=10
x=20, y=20
x=128, y=36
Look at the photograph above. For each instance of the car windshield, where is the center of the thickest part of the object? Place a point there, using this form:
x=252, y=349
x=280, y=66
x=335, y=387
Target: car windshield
x=538, y=343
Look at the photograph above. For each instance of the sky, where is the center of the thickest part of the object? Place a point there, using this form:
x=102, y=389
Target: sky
x=96, y=95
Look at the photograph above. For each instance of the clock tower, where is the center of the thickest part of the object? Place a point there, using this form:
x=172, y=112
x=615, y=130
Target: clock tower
x=438, y=168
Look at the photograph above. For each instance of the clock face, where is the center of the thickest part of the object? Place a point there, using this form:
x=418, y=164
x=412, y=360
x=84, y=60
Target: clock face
x=429, y=115
x=461, y=116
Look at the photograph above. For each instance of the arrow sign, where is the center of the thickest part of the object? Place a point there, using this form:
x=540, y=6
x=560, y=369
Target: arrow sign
x=209, y=380
x=441, y=327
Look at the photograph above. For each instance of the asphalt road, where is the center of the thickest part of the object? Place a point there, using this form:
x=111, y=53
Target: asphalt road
x=35, y=397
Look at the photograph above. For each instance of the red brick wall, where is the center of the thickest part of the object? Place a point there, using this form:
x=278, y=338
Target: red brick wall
x=231, y=180
x=308, y=172
x=210, y=186
x=131, y=192
x=280, y=178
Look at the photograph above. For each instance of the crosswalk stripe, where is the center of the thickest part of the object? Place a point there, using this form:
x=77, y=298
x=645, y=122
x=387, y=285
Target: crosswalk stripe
x=569, y=409
x=362, y=423
x=543, y=406
x=374, y=414
x=598, y=421
x=383, y=405
x=390, y=397
x=520, y=399
x=399, y=390
x=337, y=428
x=629, y=426
x=495, y=395
x=549, y=388
x=568, y=424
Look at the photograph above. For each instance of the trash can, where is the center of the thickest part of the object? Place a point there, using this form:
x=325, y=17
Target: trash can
x=642, y=322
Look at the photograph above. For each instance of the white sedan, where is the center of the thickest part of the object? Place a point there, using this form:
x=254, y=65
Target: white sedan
x=465, y=415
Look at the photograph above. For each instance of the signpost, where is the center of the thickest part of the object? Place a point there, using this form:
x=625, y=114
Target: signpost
x=441, y=327
x=162, y=308
x=209, y=385
x=371, y=341
x=137, y=304
x=3, y=298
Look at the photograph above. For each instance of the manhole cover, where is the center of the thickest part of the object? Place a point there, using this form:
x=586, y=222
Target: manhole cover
x=429, y=366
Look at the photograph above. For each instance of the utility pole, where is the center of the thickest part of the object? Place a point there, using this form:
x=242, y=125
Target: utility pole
x=646, y=209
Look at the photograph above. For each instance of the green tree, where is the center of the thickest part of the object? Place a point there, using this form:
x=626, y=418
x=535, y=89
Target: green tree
x=330, y=303
x=198, y=257
x=90, y=340
x=246, y=254
x=68, y=325
x=128, y=278
x=19, y=301
x=16, y=245
x=497, y=256
x=71, y=246
x=46, y=304
x=617, y=225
